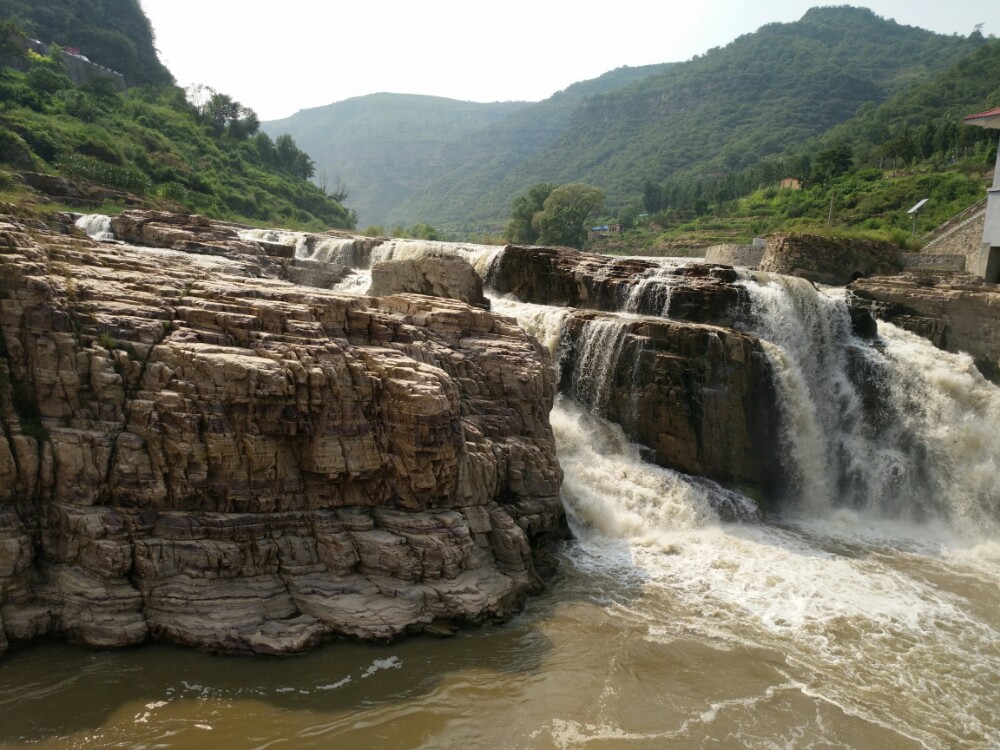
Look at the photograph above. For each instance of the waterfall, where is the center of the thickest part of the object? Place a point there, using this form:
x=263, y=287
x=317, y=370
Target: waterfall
x=97, y=227
x=273, y=236
x=900, y=429
x=340, y=250
x=650, y=293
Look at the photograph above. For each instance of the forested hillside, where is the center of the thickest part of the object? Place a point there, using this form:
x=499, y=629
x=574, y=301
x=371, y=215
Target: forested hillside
x=759, y=95
x=862, y=174
x=113, y=33
x=385, y=147
x=718, y=114
x=388, y=148
x=150, y=144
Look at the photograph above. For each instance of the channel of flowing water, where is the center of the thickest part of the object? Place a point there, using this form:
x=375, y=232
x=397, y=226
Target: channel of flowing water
x=868, y=615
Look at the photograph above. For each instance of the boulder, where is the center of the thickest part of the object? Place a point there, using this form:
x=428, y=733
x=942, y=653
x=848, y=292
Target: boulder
x=701, y=398
x=956, y=312
x=434, y=274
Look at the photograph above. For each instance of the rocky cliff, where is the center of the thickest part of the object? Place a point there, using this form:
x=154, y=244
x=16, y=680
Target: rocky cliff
x=956, y=312
x=195, y=450
x=694, y=390
x=699, y=397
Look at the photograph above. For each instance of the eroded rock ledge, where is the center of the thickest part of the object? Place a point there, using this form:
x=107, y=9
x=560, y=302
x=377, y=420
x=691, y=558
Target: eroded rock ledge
x=192, y=452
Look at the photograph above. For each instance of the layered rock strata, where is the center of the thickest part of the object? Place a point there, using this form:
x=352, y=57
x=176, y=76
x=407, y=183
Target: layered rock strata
x=958, y=313
x=699, y=397
x=194, y=451
x=698, y=292
x=693, y=292
x=835, y=261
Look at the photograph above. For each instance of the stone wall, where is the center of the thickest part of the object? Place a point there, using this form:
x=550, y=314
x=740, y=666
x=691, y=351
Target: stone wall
x=80, y=71
x=829, y=260
x=963, y=240
x=743, y=256
x=934, y=262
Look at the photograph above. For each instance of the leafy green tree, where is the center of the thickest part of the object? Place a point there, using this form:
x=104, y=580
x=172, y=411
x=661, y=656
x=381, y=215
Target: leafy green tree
x=564, y=213
x=654, y=198
x=424, y=232
x=290, y=159
x=13, y=41
x=832, y=162
x=522, y=228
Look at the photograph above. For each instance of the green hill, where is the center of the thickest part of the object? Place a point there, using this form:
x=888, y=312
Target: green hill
x=389, y=148
x=113, y=33
x=765, y=92
x=148, y=145
x=385, y=147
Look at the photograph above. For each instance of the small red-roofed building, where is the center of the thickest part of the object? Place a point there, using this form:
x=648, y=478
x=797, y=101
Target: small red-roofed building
x=989, y=253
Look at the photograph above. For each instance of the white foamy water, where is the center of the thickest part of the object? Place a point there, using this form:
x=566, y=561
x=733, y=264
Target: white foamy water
x=651, y=292
x=902, y=429
x=544, y=322
x=885, y=626
x=97, y=227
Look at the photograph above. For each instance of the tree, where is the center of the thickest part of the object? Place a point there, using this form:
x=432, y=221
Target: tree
x=13, y=42
x=564, y=213
x=522, y=228
x=653, y=198
x=832, y=162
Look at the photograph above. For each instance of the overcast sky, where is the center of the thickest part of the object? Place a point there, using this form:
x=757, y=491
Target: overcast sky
x=280, y=57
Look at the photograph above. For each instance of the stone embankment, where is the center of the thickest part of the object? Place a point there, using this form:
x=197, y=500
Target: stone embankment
x=194, y=449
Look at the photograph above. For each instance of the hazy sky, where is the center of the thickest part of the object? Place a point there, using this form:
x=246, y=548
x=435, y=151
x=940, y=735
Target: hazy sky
x=280, y=57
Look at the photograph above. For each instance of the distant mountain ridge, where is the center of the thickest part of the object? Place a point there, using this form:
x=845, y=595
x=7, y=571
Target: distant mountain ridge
x=762, y=94
x=385, y=147
x=388, y=147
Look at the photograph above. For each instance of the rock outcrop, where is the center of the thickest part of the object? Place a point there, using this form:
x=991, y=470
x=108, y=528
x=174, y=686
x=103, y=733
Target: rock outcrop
x=694, y=292
x=698, y=292
x=957, y=313
x=699, y=397
x=194, y=450
x=434, y=274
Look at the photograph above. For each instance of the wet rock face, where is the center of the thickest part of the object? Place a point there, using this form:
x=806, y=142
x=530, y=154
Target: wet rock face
x=699, y=397
x=193, y=450
x=698, y=292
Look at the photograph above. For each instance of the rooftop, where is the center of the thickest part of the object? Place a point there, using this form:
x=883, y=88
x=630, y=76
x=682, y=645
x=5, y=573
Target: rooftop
x=988, y=119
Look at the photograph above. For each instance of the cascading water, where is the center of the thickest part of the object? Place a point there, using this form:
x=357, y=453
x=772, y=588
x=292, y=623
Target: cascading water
x=651, y=292
x=875, y=602
x=901, y=430
x=97, y=227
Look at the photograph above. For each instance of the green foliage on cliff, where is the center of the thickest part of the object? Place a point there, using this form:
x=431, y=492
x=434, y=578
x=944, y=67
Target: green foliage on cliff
x=112, y=33
x=151, y=142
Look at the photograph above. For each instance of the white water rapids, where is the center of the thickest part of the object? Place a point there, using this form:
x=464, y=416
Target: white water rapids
x=878, y=596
